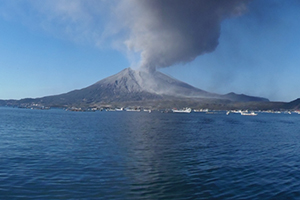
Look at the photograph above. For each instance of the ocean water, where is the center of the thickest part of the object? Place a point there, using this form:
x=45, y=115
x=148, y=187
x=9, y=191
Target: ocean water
x=56, y=154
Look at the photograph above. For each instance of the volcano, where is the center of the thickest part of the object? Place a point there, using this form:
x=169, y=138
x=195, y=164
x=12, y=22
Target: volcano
x=137, y=86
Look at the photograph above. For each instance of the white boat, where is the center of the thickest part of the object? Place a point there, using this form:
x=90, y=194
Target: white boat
x=249, y=113
x=185, y=110
x=201, y=110
x=132, y=110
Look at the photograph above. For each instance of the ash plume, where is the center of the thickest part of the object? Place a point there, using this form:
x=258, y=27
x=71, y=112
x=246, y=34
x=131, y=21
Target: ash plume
x=161, y=32
x=167, y=32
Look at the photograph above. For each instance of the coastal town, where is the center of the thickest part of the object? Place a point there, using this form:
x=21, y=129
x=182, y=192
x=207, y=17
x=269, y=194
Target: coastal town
x=245, y=112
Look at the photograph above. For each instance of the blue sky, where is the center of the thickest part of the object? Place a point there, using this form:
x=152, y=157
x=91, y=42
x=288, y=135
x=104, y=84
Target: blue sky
x=52, y=47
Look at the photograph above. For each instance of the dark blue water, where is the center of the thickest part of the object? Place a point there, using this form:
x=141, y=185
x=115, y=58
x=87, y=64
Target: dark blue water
x=55, y=154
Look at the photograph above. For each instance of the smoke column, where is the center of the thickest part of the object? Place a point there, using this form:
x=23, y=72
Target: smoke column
x=167, y=32
x=162, y=32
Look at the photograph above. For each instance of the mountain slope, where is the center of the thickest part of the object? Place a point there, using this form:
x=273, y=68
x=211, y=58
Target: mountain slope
x=243, y=98
x=133, y=81
x=136, y=86
x=293, y=104
x=130, y=85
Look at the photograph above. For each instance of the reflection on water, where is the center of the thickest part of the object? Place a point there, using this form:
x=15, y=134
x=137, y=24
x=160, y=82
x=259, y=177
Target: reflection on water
x=55, y=154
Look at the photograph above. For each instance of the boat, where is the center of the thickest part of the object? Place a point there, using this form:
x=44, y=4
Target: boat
x=202, y=110
x=249, y=113
x=132, y=110
x=185, y=110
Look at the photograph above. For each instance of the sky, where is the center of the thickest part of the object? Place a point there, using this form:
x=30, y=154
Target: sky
x=54, y=46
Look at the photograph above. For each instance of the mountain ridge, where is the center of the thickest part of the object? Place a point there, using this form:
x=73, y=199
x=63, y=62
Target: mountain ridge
x=138, y=86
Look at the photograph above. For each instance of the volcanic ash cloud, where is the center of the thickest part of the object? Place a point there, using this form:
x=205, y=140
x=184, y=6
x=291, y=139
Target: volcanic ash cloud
x=167, y=32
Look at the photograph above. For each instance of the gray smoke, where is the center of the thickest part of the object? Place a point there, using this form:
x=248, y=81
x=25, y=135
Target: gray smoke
x=161, y=32
x=167, y=32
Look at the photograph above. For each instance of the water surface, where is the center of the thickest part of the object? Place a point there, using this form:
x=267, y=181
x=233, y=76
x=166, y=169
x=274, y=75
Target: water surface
x=55, y=154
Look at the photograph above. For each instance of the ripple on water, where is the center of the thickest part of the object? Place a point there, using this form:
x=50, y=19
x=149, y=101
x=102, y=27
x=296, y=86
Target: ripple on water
x=64, y=155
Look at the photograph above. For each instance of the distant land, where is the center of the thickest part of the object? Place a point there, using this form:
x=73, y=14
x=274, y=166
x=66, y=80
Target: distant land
x=154, y=90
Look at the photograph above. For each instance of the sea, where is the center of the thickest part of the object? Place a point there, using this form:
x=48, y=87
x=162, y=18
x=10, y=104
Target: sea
x=58, y=154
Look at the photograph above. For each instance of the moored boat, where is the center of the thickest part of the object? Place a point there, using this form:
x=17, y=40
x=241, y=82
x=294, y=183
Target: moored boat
x=249, y=113
x=185, y=110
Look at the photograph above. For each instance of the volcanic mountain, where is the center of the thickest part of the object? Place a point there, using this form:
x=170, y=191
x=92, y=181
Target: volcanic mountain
x=137, y=86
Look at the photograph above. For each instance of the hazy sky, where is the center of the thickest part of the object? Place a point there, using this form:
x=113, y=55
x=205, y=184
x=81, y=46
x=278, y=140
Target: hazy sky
x=54, y=46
